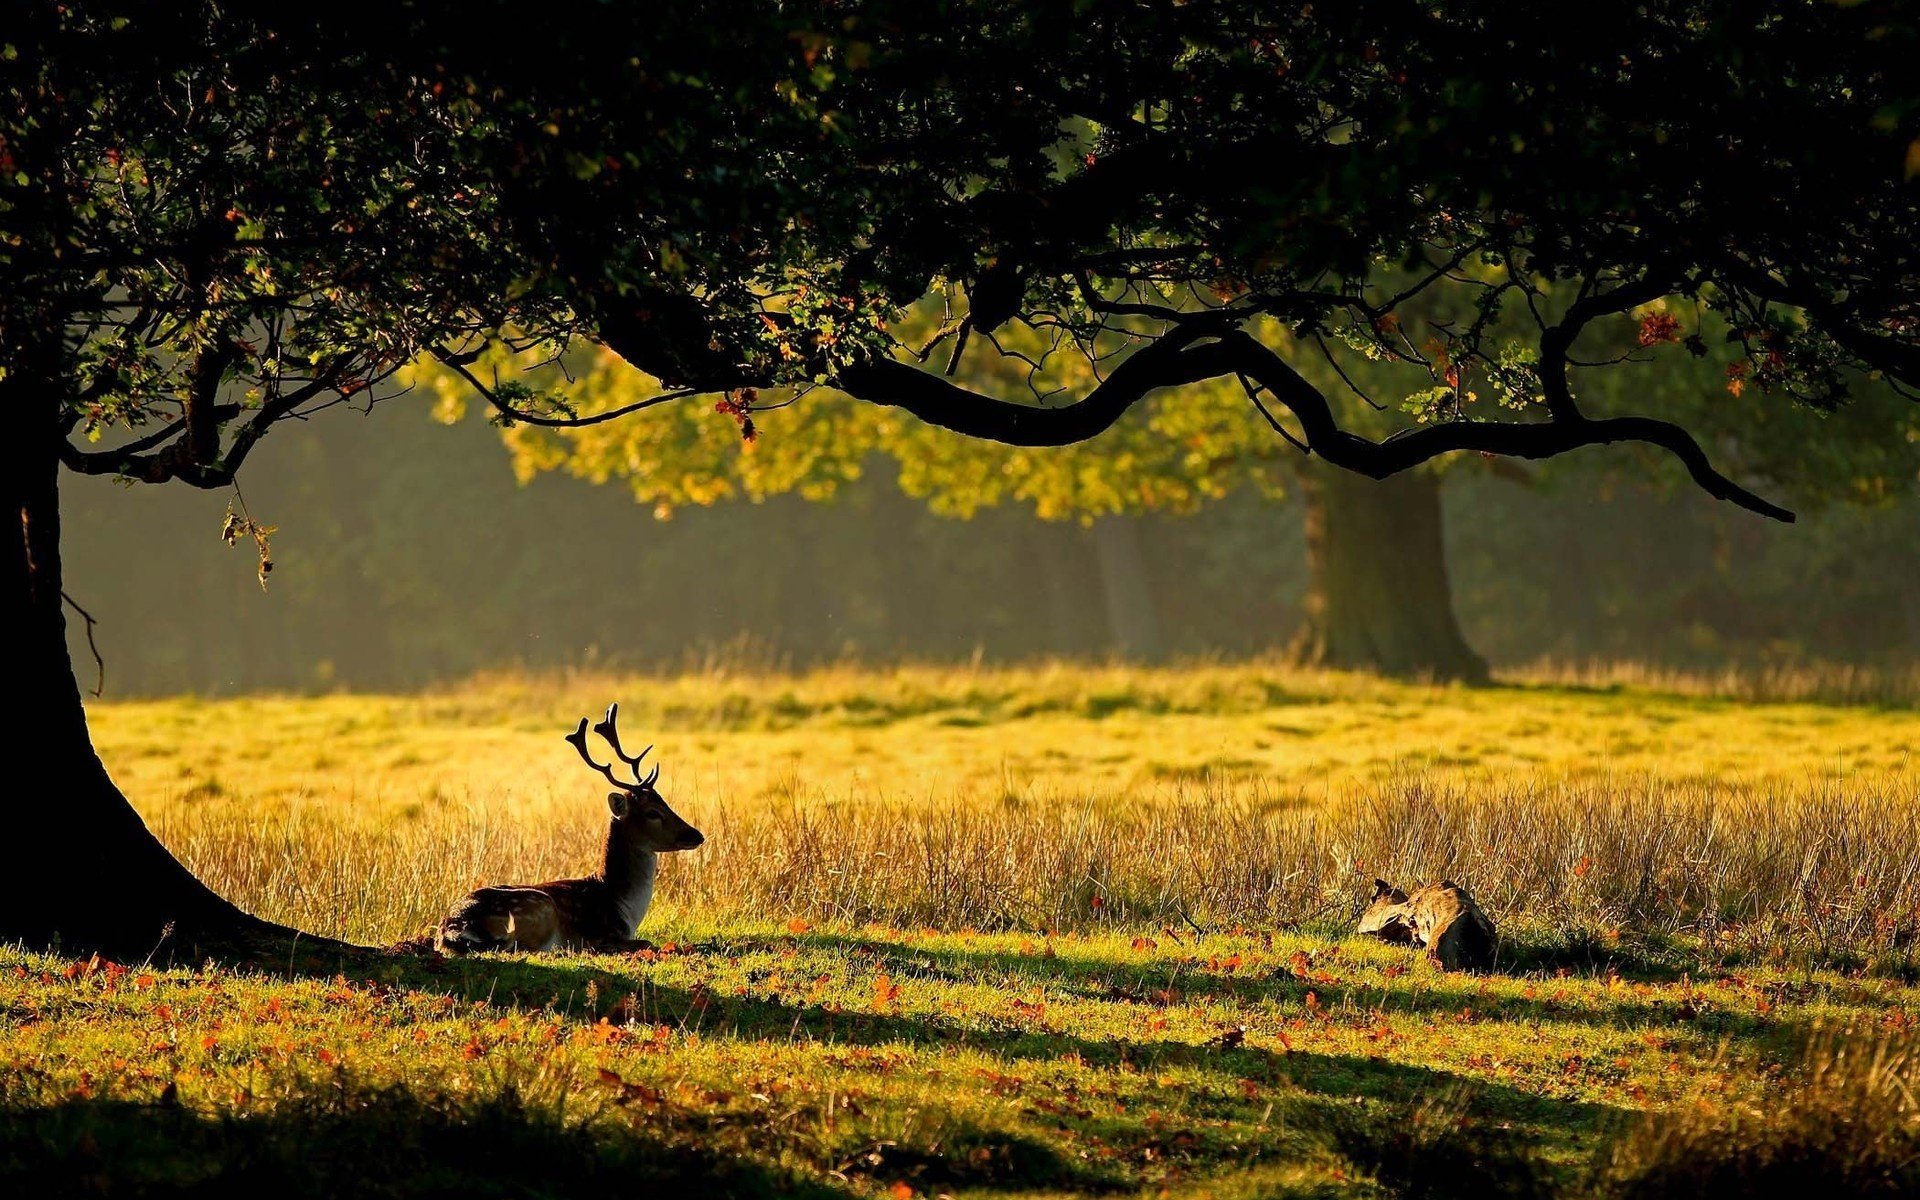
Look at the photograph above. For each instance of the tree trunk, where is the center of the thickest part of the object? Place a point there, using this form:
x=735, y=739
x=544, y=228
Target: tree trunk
x=1051, y=556
x=1378, y=598
x=1132, y=619
x=83, y=871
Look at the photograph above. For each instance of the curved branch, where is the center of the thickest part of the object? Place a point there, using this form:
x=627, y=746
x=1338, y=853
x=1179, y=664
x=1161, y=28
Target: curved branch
x=1556, y=340
x=109, y=462
x=1197, y=349
x=510, y=412
x=1415, y=446
x=1165, y=363
x=177, y=461
x=1177, y=361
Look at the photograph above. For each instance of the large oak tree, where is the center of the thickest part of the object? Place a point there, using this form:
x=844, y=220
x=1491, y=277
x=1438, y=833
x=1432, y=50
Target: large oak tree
x=213, y=222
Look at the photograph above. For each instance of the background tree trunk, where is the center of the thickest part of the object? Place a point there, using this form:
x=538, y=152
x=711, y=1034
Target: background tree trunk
x=1378, y=597
x=83, y=871
x=1052, y=551
x=1132, y=618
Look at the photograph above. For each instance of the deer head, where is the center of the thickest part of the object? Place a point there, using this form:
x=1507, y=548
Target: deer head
x=641, y=818
x=1386, y=917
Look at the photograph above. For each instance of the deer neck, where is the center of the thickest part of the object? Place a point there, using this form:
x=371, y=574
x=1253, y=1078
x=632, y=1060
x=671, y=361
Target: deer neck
x=629, y=871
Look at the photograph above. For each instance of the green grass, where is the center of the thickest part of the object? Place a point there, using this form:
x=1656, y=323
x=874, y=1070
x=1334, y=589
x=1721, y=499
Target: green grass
x=857, y=1059
x=1045, y=931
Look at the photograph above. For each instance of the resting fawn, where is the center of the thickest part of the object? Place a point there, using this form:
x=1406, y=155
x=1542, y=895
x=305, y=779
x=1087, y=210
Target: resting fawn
x=600, y=912
x=1441, y=918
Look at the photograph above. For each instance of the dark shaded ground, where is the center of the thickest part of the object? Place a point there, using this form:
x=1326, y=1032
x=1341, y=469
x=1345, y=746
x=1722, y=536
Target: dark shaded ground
x=341, y=1141
x=1414, y=1130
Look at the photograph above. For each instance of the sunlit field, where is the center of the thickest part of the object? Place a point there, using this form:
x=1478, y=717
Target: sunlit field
x=1069, y=797
x=1048, y=930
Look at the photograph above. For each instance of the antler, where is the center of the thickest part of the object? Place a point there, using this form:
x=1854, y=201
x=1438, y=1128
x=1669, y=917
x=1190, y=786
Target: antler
x=578, y=740
x=608, y=729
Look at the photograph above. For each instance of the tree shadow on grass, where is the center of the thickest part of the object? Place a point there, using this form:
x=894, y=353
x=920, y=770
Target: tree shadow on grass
x=1583, y=953
x=1158, y=983
x=474, y=1147
x=1319, y=1090
x=589, y=989
x=338, y=1140
x=945, y=1154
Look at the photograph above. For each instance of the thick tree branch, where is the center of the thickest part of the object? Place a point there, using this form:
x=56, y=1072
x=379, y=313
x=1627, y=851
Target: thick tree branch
x=110, y=462
x=176, y=461
x=1178, y=360
x=935, y=400
x=1198, y=349
x=1556, y=340
x=1413, y=447
x=203, y=387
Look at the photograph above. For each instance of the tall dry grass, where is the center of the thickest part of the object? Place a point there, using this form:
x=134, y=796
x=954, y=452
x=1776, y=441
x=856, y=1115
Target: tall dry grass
x=1843, y=1123
x=1891, y=685
x=727, y=689
x=1826, y=867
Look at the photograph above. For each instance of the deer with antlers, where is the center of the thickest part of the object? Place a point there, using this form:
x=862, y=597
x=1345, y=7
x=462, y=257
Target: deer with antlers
x=597, y=913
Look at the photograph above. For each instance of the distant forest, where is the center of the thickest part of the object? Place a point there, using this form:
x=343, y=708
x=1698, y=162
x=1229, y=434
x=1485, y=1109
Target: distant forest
x=406, y=553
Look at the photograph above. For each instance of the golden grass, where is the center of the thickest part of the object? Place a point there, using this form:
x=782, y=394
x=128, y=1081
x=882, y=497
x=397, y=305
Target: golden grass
x=1065, y=796
x=1895, y=685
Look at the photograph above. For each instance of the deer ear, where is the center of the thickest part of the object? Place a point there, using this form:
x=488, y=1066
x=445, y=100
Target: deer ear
x=618, y=802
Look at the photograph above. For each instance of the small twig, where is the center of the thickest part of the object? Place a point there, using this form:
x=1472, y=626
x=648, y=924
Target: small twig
x=1253, y=394
x=99, y=664
x=568, y=422
x=1198, y=933
x=166, y=931
x=959, y=344
x=1353, y=387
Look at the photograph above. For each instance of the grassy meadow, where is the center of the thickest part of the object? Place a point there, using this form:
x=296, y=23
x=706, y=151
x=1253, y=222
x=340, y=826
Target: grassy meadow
x=1050, y=930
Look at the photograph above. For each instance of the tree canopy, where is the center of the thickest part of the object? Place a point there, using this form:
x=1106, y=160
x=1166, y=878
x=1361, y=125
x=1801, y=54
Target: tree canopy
x=1228, y=193
x=216, y=222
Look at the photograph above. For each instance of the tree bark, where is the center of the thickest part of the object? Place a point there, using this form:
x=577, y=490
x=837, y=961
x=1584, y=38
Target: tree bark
x=1378, y=596
x=1051, y=557
x=83, y=871
x=1132, y=619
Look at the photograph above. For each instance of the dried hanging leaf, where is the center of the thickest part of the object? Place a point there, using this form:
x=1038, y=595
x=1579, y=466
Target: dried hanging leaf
x=239, y=524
